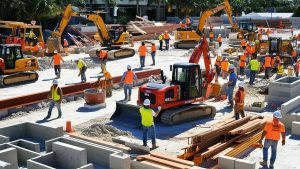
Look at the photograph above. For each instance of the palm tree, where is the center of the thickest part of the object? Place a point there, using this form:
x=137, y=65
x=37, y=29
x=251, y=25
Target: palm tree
x=138, y=7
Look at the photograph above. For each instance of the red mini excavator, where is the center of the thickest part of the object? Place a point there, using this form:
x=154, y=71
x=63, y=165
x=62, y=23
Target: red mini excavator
x=181, y=99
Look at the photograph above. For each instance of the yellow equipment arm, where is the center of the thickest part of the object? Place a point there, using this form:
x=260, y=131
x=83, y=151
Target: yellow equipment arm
x=225, y=5
x=98, y=21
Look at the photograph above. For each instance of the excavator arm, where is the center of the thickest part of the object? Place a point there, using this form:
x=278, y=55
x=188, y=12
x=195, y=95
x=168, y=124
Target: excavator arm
x=202, y=49
x=226, y=6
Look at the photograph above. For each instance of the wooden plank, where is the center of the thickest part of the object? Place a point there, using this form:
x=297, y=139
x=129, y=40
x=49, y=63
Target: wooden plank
x=162, y=161
x=174, y=159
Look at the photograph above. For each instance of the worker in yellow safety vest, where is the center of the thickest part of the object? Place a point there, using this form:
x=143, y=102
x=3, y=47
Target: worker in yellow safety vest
x=55, y=95
x=254, y=68
x=81, y=65
x=161, y=38
x=280, y=71
x=147, y=121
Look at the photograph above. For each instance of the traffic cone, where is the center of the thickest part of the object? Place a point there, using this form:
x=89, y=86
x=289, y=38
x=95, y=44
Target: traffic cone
x=69, y=128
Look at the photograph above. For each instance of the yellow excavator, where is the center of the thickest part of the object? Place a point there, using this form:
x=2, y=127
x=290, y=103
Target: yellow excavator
x=15, y=68
x=111, y=40
x=187, y=38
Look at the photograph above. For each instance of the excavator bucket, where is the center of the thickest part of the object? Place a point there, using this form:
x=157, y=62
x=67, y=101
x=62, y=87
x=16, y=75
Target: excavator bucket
x=127, y=114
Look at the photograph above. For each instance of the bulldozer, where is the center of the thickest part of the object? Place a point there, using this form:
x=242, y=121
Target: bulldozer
x=15, y=68
x=181, y=99
x=112, y=40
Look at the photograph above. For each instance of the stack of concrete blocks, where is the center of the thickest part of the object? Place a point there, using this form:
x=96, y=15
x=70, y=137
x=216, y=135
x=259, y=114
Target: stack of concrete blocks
x=98, y=155
x=283, y=90
x=225, y=162
x=24, y=141
x=290, y=111
x=63, y=156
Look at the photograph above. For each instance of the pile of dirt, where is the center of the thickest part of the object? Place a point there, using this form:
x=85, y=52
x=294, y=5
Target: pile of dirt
x=105, y=132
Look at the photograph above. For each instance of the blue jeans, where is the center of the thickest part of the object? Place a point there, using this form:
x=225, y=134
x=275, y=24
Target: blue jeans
x=142, y=61
x=153, y=57
x=267, y=145
x=52, y=104
x=127, y=90
x=83, y=77
x=167, y=43
x=151, y=130
x=229, y=93
x=252, y=76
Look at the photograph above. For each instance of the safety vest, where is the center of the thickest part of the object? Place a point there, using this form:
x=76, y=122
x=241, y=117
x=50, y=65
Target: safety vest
x=241, y=101
x=273, y=62
x=166, y=35
x=252, y=49
x=147, y=117
x=294, y=53
x=243, y=42
x=55, y=95
x=160, y=37
x=153, y=48
x=129, y=77
x=56, y=59
x=103, y=54
x=242, y=60
x=81, y=64
x=254, y=65
x=142, y=50
x=211, y=34
x=225, y=65
x=31, y=35
x=267, y=61
x=280, y=69
x=219, y=39
x=66, y=44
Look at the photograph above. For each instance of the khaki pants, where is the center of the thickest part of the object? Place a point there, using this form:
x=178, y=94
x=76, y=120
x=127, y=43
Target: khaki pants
x=239, y=110
x=66, y=51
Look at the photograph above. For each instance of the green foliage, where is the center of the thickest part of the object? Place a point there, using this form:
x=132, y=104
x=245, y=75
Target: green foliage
x=122, y=17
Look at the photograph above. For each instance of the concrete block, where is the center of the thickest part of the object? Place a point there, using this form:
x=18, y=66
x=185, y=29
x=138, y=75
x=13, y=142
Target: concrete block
x=27, y=145
x=14, y=132
x=5, y=165
x=296, y=128
x=68, y=156
x=244, y=164
x=225, y=162
x=119, y=161
x=46, y=161
x=24, y=154
x=9, y=155
x=3, y=139
x=290, y=105
x=41, y=132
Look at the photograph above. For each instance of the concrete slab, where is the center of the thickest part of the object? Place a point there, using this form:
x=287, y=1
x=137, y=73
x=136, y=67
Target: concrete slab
x=119, y=161
x=225, y=162
x=9, y=156
x=244, y=164
x=68, y=156
x=296, y=128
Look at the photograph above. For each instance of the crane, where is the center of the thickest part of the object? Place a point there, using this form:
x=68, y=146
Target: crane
x=181, y=98
x=113, y=40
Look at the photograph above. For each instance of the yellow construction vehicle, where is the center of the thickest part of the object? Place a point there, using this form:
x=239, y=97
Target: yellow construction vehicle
x=113, y=40
x=15, y=68
x=18, y=33
x=187, y=37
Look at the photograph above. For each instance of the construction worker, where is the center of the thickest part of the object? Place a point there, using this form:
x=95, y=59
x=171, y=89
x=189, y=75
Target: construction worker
x=243, y=43
x=280, y=71
x=243, y=60
x=294, y=55
x=81, y=65
x=142, y=52
x=218, y=64
x=66, y=47
x=254, y=68
x=128, y=78
x=103, y=55
x=253, y=48
x=167, y=39
x=55, y=95
x=57, y=60
x=267, y=65
x=297, y=68
x=147, y=121
x=239, y=101
x=230, y=85
x=272, y=132
x=220, y=40
x=161, y=38
x=31, y=38
x=153, y=52
x=211, y=35
x=109, y=83
x=224, y=68
x=131, y=41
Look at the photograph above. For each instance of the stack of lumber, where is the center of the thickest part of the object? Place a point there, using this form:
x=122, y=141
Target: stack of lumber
x=230, y=138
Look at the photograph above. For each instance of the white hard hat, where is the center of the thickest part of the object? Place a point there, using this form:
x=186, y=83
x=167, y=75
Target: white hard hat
x=274, y=53
x=267, y=53
x=54, y=81
x=241, y=84
x=55, y=51
x=146, y=102
x=277, y=114
x=231, y=67
x=128, y=67
x=226, y=59
x=166, y=31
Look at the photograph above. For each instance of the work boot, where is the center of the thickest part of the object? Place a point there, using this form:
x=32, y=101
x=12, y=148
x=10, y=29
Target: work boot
x=154, y=146
x=264, y=163
x=47, y=117
x=231, y=104
x=129, y=98
x=242, y=114
x=59, y=116
x=271, y=165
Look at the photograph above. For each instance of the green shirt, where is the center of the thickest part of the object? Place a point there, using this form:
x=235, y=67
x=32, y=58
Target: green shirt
x=147, y=116
x=160, y=37
x=254, y=65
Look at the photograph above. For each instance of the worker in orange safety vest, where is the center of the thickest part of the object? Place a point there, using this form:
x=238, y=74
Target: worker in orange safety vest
x=239, y=101
x=219, y=39
x=167, y=39
x=103, y=55
x=224, y=67
x=128, y=78
x=243, y=60
x=66, y=47
x=243, y=43
x=267, y=65
x=218, y=64
x=294, y=55
x=57, y=61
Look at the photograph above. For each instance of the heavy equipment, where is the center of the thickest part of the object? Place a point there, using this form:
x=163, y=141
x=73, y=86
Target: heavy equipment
x=180, y=99
x=111, y=40
x=15, y=68
x=13, y=32
x=187, y=38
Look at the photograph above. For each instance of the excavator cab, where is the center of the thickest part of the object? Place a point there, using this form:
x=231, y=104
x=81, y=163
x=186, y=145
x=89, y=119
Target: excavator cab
x=247, y=26
x=188, y=77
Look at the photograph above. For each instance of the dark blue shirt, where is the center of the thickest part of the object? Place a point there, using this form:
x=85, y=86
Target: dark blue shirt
x=232, y=77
